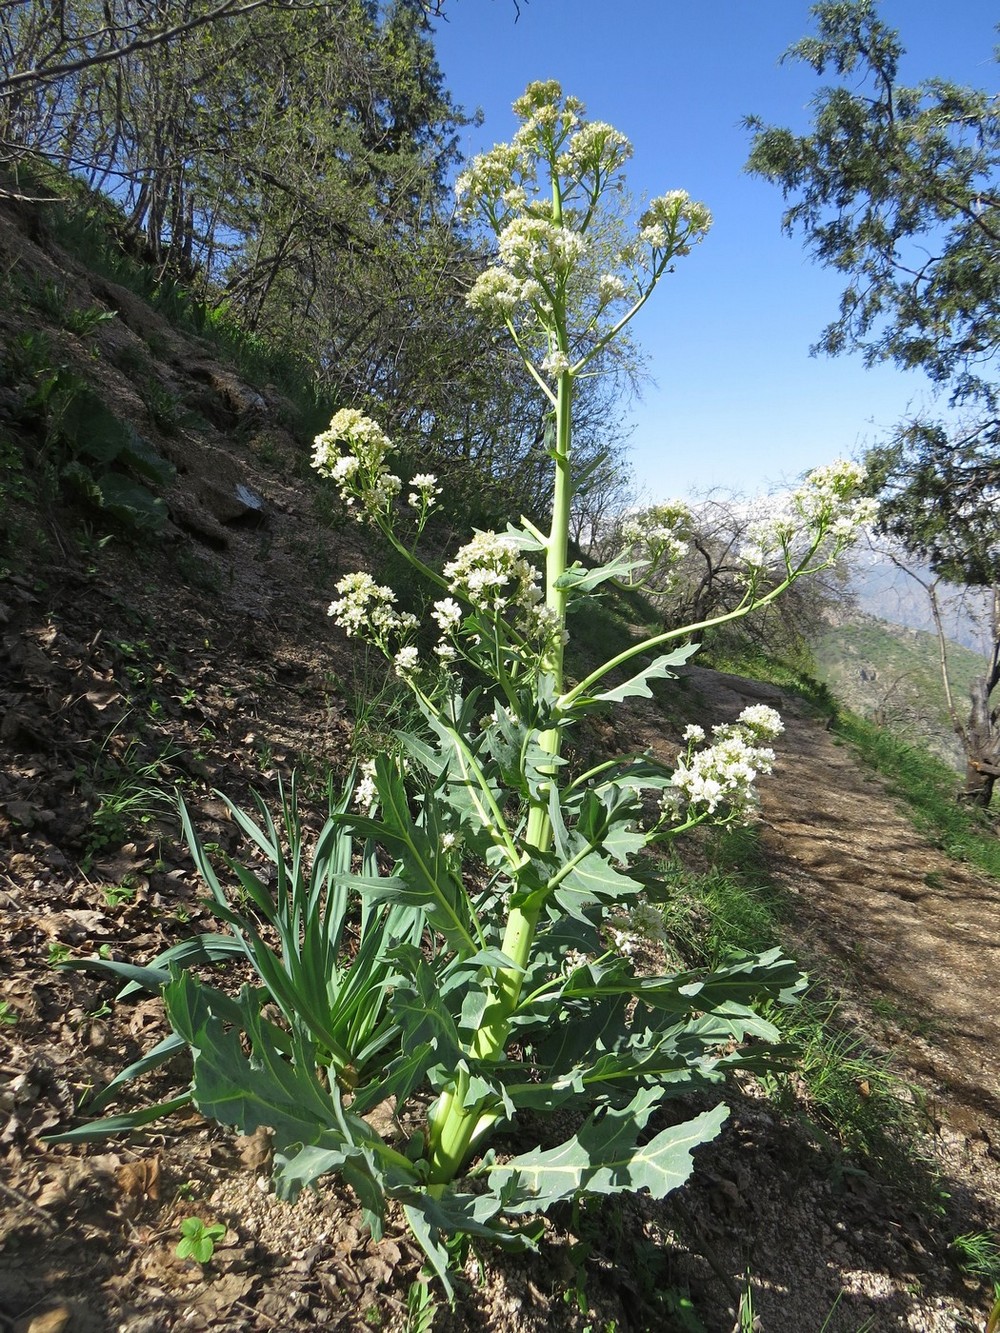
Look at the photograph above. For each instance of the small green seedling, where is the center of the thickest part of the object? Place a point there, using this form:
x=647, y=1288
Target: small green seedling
x=116, y=894
x=198, y=1241
x=8, y=1014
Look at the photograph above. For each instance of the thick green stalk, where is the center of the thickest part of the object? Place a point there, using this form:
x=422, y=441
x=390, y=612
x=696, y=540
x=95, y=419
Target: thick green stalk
x=456, y=1125
x=521, y=922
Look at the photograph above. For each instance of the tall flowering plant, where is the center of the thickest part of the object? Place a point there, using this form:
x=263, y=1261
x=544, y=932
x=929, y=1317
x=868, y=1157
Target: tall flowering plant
x=500, y=938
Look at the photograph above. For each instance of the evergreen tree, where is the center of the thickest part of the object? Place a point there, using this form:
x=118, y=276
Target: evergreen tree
x=898, y=188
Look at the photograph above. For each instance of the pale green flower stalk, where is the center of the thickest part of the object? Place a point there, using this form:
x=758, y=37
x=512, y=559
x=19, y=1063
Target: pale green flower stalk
x=562, y=294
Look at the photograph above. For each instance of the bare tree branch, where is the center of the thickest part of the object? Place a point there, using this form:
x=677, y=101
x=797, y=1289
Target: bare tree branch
x=227, y=9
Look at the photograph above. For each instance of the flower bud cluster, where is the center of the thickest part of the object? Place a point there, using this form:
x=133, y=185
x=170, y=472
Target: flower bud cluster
x=722, y=775
x=642, y=922
x=659, y=535
x=674, y=222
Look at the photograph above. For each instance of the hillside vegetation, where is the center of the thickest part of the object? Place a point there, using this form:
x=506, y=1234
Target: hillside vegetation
x=402, y=930
x=891, y=676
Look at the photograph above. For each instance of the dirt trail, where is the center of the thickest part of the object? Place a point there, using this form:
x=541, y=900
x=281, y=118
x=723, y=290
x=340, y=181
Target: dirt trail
x=902, y=920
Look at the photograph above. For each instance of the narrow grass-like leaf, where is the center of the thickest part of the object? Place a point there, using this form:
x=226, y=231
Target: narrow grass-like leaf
x=119, y=1124
x=162, y=1052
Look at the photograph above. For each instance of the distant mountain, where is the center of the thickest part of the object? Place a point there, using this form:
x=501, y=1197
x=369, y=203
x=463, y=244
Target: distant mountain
x=883, y=590
x=891, y=674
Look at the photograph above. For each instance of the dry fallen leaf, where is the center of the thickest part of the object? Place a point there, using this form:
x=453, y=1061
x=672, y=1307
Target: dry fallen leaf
x=140, y=1179
x=50, y=1321
x=255, y=1149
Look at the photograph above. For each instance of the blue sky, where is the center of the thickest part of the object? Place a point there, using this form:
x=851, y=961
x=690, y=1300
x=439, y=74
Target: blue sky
x=736, y=400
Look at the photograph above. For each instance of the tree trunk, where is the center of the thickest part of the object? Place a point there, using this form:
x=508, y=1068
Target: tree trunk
x=982, y=747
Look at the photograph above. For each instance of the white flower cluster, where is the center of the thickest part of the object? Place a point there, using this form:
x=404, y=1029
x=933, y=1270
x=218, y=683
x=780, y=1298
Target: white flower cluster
x=657, y=535
x=674, y=222
x=643, y=921
x=448, y=615
x=492, y=574
x=367, y=442
x=533, y=253
x=537, y=248
x=548, y=257
x=367, y=610
x=407, y=661
x=505, y=181
x=366, y=793
x=826, y=506
x=760, y=721
x=660, y=523
x=723, y=774
x=611, y=287
x=545, y=114
x=360, y=473
x=489, y=177
x=425, y=491
x=573, y=960
x=595, y=147
x=497, y=292
x=830, y=496
x=555, y=363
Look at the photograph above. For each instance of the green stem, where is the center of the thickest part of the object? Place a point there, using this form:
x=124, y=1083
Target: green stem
x=659, y=640
x=521, y=922
x=451, y=1131
x=456, y=1125
x=385, y=527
